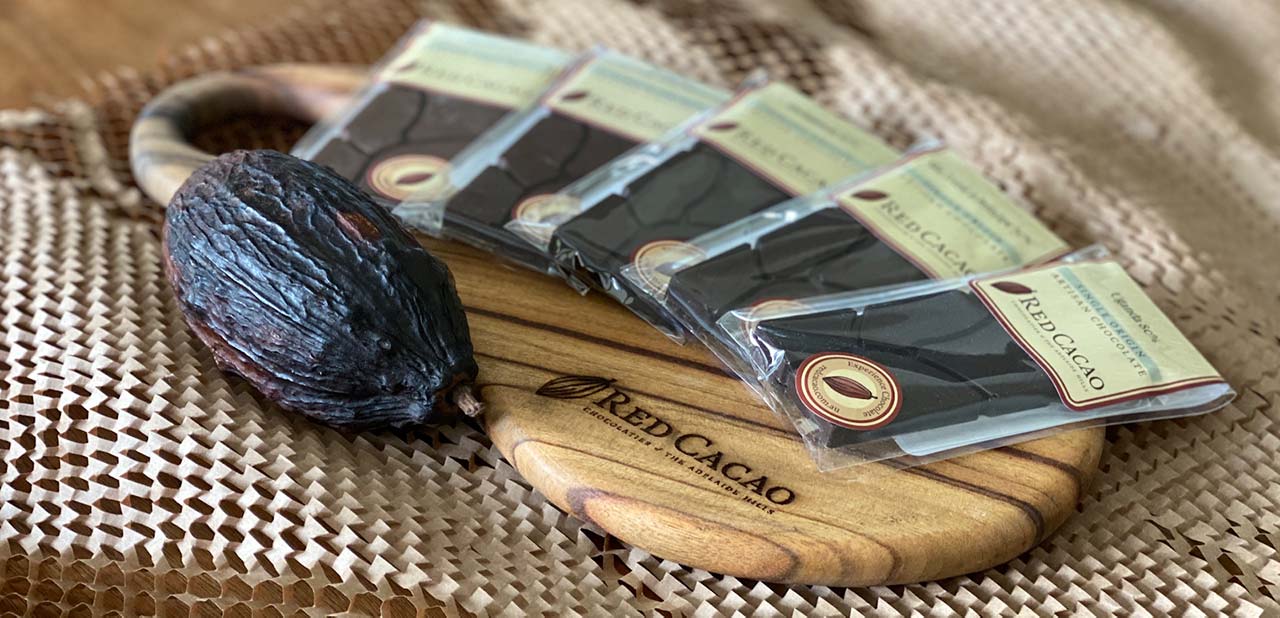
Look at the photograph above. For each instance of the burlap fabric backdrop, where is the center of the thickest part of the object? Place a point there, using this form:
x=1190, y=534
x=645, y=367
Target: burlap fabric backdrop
x=136, y=478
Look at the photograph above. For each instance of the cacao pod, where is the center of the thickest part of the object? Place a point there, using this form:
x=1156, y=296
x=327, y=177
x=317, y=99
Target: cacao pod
x=315, y=295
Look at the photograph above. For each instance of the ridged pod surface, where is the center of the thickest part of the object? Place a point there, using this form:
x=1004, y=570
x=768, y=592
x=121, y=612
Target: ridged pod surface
x=314, y=294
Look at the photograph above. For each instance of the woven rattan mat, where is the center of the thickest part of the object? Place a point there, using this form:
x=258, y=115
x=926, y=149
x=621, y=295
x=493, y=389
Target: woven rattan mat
x=137, y=479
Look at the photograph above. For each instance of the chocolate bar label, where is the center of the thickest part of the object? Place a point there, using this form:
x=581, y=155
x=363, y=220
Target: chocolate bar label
x=790, y=140
x=1095, y=333
x=630, y=97
x=475, y=65
x=940, y=213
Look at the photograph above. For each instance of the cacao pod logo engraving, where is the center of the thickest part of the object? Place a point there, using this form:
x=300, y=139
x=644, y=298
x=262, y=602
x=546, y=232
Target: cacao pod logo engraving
x=1009, y=287
x=722, y=127
x=574, y=387
x=848, y=387
x=870, y=195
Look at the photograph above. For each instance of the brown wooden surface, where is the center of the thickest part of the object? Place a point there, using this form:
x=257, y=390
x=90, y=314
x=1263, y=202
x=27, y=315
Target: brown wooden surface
x=585, y=451
x=159, y=152
x=48, y=47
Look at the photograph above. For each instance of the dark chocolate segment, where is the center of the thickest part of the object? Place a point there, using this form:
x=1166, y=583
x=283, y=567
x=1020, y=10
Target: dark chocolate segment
x=953, y=361
x=690, y=194
x=400, y=120
x=553, y=153
x=823, y=253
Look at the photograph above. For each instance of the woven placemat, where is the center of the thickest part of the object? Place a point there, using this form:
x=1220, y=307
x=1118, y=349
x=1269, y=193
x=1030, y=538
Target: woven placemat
x=137, y=479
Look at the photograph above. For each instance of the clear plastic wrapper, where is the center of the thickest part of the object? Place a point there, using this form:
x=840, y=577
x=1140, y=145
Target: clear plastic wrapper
x=599, y=108
x=437, y=90
x=768, y=144
x=929, y=215
x=919, y=372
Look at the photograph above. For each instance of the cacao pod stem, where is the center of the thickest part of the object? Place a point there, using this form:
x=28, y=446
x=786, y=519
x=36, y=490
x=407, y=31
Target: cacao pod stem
x=466, y=400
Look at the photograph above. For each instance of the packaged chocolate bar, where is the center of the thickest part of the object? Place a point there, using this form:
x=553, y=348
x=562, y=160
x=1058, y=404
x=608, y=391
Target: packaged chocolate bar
x=602, y=106
x=924, y=371
x=930, y=215
x=436, y=91
x=767, y=145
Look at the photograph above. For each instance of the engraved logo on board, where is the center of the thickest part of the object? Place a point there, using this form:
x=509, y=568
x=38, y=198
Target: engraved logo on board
x=698, y=452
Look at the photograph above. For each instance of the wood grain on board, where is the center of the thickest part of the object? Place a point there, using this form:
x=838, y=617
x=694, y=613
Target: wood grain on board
x=660, y=447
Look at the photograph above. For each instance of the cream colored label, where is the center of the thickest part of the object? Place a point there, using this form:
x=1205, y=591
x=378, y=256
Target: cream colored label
x=791, y=140
x=631, y=98
x=1096, y=334
x=939, y=212
x=475, y=65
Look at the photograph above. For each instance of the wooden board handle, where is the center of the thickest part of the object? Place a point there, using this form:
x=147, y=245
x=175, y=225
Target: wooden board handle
x=160, y=149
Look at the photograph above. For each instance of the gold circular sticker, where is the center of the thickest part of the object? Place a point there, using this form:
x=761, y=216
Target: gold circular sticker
x=544, y=208
x=654, y=261
x=423, y=177
x=766, y=309
x=849, y=391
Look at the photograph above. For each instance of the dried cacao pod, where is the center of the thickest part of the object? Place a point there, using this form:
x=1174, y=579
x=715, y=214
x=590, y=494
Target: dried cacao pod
x=314, y=294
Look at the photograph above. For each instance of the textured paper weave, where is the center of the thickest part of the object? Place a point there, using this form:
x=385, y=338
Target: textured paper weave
x=136, y=479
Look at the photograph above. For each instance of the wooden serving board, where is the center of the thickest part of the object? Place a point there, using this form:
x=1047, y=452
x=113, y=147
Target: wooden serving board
x=572, y=384
x=656, y=444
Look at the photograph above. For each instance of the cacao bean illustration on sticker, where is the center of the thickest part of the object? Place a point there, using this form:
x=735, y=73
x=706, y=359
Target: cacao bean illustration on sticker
x=871, y=195
x=723, y=126
x=414, y=178
x=576, y=95
x=848, y=387
x=574, y=387
x=1009, y=287
x=302, y=285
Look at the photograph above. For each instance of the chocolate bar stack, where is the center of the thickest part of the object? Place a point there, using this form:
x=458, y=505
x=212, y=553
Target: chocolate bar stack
x=897, y=307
